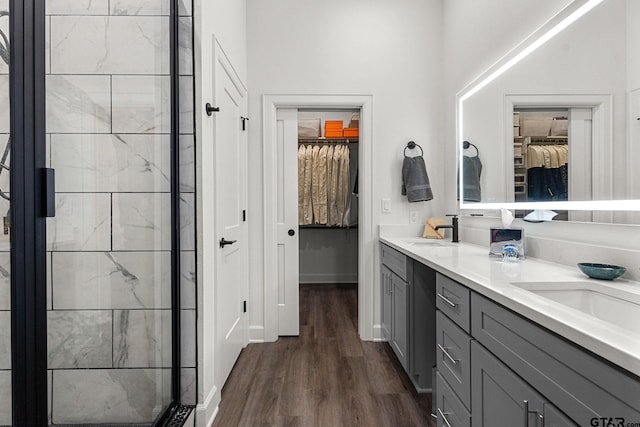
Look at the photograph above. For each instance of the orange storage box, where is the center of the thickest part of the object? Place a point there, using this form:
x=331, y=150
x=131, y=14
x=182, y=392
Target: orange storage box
x=351, y=132
x=333, y=124
x=333, y=133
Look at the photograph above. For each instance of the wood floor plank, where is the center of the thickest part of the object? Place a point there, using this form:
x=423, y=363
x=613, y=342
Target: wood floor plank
x=324, y=377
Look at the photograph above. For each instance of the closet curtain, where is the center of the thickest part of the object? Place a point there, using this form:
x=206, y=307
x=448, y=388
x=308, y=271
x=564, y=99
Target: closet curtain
x=323, y=184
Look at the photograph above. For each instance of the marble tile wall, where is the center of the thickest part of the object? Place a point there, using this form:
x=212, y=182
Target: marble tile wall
x=108, y=123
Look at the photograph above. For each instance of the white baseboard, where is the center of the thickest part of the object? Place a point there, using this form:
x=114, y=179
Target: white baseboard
x=206, y=411
x=377, y=334
x=256, y=334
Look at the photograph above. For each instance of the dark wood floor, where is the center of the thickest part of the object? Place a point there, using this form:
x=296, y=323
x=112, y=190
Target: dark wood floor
x=325, y=377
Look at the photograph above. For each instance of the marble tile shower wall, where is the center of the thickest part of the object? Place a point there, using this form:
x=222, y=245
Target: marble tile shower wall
x=108, y=125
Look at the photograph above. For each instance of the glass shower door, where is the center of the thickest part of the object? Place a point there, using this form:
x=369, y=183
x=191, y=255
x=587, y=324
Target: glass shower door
x=5, y=244
x=108, y=84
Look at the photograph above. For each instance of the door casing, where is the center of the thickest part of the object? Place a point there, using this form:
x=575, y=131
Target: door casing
x=366, y=244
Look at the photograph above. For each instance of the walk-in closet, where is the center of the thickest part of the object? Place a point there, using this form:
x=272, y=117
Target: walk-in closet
x=541, y=156
x=328, y=196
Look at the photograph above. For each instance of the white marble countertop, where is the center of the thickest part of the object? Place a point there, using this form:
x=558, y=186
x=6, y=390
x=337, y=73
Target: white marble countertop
x=471, y=265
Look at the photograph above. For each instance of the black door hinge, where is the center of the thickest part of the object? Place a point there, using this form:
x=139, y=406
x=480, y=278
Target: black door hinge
x=244, y=122
x=244, y=306
x=244, y=216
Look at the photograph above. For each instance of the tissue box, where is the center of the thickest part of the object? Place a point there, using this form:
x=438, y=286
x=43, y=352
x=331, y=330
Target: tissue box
x=501, y=236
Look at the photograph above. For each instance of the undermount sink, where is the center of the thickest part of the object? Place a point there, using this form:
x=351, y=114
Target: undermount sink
x=428, y=242
x=616, y=306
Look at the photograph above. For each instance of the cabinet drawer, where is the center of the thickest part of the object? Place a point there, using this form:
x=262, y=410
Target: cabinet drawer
x=449, y=406
x=453, y=300
x=580, y=384
x=454, y=357
x=394, y=260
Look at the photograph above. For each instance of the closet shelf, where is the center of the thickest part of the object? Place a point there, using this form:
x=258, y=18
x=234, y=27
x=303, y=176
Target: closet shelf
x=321, y=227
x=327, y=140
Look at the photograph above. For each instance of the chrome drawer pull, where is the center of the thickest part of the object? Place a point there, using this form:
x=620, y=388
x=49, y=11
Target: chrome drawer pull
x=526, y=412
x=448, y=301
x=444, y=418
x=446, y=353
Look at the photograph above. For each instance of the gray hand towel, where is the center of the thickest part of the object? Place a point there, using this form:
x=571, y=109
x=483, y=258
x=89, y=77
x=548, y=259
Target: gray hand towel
x=415, y=181
x=471, y=171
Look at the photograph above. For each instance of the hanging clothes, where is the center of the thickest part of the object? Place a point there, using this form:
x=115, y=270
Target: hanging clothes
x=332, y=182
x=320, y=190
x=344, y=184
x=324, y=185
x=307, y=209
x=302, y=151
x=547, y=172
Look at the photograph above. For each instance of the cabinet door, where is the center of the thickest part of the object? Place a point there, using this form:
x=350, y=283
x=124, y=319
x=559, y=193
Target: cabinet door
x=399, y=324
x=554, y=418
x=500, y=397
x=422, y=328
x=386, y=290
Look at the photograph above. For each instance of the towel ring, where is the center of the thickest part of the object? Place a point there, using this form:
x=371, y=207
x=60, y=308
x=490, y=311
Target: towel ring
x=467, y=144
x=411, y=145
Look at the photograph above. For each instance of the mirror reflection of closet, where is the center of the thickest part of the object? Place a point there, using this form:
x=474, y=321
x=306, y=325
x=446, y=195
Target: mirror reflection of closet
x=541, y=147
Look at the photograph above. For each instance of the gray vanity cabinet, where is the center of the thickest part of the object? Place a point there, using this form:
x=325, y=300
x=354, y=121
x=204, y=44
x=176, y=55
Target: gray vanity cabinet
x=506, y=400
x=395, y=270
x=385, y=283
x=400, y=320
x=408, y=314
x=581, y=385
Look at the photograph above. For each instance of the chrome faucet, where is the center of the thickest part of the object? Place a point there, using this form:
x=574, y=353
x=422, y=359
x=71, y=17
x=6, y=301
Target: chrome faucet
x=453, y=227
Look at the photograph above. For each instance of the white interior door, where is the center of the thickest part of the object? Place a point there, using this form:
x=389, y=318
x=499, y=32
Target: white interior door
x=287, y=220
x=231, y=285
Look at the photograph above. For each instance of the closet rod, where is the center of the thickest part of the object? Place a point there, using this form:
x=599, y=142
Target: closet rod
x=328, y=141
x=327, y=227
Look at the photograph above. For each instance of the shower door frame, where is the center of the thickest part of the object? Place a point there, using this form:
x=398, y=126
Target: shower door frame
x=30, y=201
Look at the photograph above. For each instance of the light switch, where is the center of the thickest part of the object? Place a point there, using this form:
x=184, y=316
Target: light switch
x=386, y=205
x=413, y=217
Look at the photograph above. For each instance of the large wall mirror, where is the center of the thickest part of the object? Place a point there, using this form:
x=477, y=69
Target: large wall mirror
x=556, y=122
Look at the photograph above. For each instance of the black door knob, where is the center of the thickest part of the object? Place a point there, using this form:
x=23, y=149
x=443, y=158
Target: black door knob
x=224, y=242
x=210, y=109
x=291, y=232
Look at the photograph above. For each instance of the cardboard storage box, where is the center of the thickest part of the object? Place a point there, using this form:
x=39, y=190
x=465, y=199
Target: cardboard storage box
x=308, y=128
x=355, y=120
x=516, y=131
x=535, y=127
x=516, y=119
x=333, y=124
x=351, y=132
x=333, y=133
x=559, y=127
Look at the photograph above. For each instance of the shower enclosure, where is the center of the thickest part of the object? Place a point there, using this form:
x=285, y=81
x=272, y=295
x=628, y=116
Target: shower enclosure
x=97, y=202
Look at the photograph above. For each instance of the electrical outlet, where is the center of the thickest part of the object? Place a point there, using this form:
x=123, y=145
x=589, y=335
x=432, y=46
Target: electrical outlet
x=386, y=205
x=413, y=217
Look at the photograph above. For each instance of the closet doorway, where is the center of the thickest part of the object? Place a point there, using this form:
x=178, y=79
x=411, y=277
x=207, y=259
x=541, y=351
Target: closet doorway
x=327, y=197
x=327, y=244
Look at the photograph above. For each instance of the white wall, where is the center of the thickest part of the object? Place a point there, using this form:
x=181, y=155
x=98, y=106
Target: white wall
x=226, y=20
x=391, y=50
x=477, y=33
